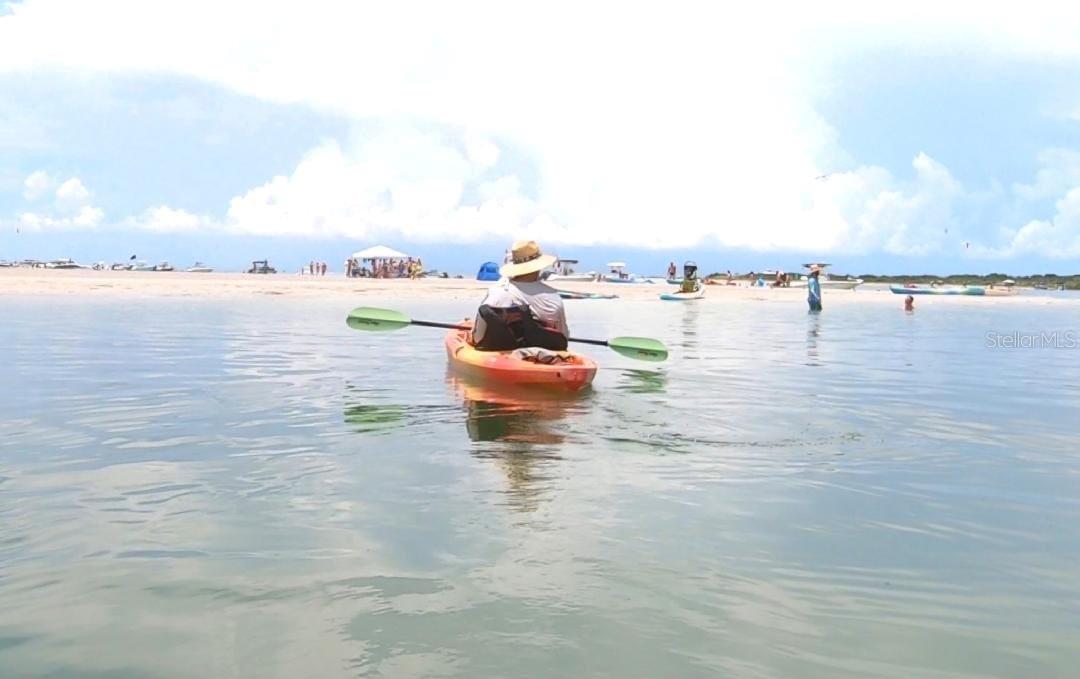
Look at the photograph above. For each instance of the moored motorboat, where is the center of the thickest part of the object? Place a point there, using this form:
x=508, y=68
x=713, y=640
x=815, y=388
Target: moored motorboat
x=617, y=275
x=564, y=271
x=199, y=268
x=587, y=277
x=65, y=263
x=261, y=266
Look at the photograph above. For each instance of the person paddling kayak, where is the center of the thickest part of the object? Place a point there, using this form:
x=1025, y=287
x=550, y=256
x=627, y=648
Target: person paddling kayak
x=813, y=288
x=520, y=311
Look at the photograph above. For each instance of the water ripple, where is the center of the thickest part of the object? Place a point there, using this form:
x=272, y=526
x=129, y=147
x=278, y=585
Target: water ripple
x=253, y=489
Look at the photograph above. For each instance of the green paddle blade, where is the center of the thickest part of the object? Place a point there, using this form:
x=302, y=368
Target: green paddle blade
x=369, y=318
x=641, y=348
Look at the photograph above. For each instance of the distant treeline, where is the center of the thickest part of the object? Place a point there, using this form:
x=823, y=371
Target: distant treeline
x=1050, y=280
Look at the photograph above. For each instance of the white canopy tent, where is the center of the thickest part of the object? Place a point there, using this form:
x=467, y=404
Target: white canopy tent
x=379, y=252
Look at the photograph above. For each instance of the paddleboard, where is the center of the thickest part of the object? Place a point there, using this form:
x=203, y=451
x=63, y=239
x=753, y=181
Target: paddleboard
x=972, y=292
x=683, y=296
x=566, y=294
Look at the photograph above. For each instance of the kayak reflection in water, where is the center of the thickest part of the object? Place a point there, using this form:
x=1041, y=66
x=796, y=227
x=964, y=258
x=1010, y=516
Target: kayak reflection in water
x=521, y=311
x=520, y=431
x=514, y=414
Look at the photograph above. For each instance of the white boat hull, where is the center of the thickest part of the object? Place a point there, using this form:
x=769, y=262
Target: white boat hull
x=573, y=278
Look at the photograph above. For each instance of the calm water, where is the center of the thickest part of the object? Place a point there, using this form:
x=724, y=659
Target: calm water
x=251, y=489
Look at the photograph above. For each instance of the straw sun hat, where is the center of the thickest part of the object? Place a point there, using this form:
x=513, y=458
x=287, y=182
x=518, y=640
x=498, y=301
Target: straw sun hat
x=526, y=258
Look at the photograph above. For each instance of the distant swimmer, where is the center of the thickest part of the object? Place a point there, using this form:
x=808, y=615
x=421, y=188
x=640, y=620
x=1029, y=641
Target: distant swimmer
x=909, y=303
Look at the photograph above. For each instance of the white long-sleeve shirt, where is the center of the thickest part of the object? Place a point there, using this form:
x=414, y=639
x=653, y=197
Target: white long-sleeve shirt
x=542, y=299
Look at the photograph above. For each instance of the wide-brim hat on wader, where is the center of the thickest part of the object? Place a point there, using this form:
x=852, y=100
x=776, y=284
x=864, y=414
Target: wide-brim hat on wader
x=526, y=258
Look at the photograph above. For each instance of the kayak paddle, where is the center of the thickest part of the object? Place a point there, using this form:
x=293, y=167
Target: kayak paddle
x=382, y=320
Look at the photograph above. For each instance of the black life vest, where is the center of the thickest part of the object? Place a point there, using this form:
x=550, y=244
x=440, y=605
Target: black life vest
x=515, y=327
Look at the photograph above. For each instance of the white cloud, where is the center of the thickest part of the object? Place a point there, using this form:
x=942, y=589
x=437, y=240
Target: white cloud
x=71, y=209
x=36, y=185
x=480, y=150
x=163, y=219
x=869, y=210
x=1057, y=237
x=71, y=195
x=1059, y=172
x=87, y=217
x=402, y=179
x=649, y=128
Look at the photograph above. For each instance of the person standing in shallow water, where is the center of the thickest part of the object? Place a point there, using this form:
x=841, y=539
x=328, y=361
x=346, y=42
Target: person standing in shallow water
x=671, y=271
x=813, y=288
x=909, y=303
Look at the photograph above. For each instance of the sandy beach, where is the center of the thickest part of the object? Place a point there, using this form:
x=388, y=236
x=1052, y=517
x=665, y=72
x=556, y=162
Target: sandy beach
x=122, y=284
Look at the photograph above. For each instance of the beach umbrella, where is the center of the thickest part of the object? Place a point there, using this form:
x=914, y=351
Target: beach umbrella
x=379, y=252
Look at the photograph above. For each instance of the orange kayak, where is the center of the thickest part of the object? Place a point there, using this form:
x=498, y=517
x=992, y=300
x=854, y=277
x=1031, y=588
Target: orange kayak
x=503, y=368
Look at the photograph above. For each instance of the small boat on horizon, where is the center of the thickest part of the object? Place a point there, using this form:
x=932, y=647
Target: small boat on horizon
x=564, y=271
x=261, y=266
x=617, y=275
x=199, y=267
x=65, y=263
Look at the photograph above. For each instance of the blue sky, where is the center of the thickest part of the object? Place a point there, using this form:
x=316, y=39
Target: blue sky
x=879, y=143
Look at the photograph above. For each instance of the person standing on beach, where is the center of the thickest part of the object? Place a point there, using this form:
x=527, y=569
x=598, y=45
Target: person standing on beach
x=813, y=288
x=671, y=271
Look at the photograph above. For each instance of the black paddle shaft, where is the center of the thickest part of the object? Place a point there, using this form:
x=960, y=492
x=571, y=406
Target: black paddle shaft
x=452, y=326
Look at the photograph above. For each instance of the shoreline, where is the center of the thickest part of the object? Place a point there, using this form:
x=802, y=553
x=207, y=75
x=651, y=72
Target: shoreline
x=23, y=282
